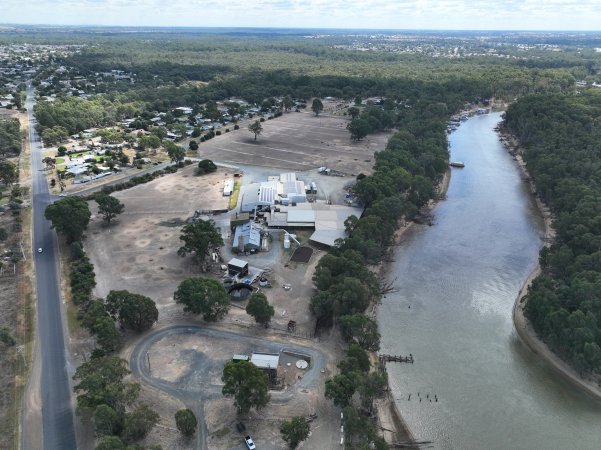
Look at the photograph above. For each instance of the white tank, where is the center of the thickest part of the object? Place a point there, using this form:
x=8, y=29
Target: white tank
x=286, y=242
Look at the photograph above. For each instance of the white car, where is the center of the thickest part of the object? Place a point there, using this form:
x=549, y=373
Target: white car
x=249, y=443
x=40, y=250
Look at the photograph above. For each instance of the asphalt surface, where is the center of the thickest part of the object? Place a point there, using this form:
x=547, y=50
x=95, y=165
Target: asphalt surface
x=196, y=386
x=57, y=411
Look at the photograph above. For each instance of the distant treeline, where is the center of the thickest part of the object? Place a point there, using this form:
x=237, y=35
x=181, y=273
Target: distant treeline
x=561, y=137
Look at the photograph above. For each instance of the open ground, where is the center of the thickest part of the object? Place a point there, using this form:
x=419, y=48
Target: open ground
x=297, y=141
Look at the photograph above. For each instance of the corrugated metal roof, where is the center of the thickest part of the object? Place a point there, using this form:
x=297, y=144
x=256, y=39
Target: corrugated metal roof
x=301, y=215
x=288, y=176
x=237, y=262
x=265, y=360
x=250, y=233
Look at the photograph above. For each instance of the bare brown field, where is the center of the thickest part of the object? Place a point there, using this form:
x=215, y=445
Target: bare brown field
x=297, y=141
x=138, y=251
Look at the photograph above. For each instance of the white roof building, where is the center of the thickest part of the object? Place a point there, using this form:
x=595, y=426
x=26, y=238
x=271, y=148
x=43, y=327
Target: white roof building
x=265, y=360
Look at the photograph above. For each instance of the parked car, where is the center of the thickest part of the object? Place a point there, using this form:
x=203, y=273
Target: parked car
x=249, y=443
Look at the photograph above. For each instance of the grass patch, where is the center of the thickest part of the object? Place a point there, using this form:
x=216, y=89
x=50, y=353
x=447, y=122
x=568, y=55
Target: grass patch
x=72, y=322
x=234, y=197
x=60, y=160
x=223, y=432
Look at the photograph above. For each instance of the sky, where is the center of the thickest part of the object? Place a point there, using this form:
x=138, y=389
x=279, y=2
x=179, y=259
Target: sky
x=371, y=14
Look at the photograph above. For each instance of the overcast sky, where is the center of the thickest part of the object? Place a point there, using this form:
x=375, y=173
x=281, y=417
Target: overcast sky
x=386, y=14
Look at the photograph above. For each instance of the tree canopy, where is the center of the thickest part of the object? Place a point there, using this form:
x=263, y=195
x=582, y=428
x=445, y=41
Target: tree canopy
x=109, y=207
x=256, y=128
x=199, y=238
x=317, y=106
x=204, y=296
x=247, y=384
x=186, y=422
x=133, y=311
x=260, y=309
x=294, y=431
x=560, y=137
x=69, y=216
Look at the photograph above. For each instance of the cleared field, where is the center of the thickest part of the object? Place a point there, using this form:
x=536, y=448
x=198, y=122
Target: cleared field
x=297, y=141
x=138, y=252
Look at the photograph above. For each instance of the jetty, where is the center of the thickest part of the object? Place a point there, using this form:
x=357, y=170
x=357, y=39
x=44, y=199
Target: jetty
x=394, y=358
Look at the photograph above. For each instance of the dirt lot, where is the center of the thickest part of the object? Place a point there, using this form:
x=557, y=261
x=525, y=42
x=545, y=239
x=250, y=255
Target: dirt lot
x=138, y=252
x=297, y=141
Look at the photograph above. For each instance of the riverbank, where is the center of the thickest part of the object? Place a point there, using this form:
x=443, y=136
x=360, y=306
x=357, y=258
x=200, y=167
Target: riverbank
x=524, y=329
x=389, y=418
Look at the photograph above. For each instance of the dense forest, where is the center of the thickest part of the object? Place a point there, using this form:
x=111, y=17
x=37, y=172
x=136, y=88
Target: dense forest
x=561, y=137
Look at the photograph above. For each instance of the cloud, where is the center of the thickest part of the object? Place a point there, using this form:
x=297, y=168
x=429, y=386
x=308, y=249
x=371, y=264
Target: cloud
x=398, y=14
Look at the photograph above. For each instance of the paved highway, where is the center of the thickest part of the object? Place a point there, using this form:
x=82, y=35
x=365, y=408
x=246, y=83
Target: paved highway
x=58, y=431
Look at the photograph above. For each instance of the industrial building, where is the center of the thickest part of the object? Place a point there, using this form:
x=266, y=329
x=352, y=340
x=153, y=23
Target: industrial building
x=327, y=220
x=284, y=189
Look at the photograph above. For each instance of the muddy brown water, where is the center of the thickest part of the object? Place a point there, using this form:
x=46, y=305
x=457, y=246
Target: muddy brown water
x=456, y=285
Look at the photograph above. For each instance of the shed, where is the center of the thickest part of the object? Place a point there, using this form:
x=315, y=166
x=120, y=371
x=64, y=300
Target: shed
x=237, y=358
x=266, y=361
x=247, y=237
x=237, y=267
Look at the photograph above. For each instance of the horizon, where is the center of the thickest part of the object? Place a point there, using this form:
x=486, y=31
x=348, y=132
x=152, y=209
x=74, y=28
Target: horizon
x=430, y=15
x=284, y=28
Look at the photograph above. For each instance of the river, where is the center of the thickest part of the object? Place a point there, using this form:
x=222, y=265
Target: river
x=455, y=286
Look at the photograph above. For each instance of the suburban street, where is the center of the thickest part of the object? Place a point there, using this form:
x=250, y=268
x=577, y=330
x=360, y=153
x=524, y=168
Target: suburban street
x=54, y=383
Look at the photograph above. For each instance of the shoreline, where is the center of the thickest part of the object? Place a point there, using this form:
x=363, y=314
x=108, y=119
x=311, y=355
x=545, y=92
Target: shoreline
x=523, y=328
x=388, y=414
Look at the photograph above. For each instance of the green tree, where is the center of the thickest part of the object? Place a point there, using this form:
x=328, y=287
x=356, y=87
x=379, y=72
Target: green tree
x=204, y=296
x=109, y=207
x=148, y=141
x=359, y=128
x=193, y=145
x=107, y=335
x=362, y=330
x=341, y=388
x=256, y=128
x=247, y=384
x=317, y=106
x=101, y=382
x=106, y=421
x=186, y=422
x=9, y=173
x=92, y=311
x=69, y=216
x=176, y=153
x=295, y=431
x=110, y=443
x=260, y=309
x=199, y=238
x=287, y=103
x=138, y=423
x=133, y=311
x=354, y=112
x=206, y=166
